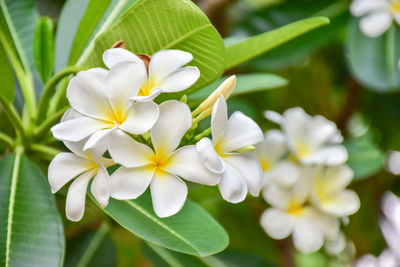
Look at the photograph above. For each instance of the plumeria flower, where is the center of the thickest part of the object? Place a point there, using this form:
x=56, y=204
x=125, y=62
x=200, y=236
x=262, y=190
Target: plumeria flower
x=161, y=168
x=83, y=167
x=271, y=154
x=101, y=97
x=241, y=172
x=329, y=191
x=311, y=140
x=165, y=71
x=378, y=15
x=290, y=214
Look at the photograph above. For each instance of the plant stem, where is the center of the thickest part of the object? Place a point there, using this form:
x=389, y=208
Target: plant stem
x=58, y=96
x=6, y=139
x=50, y=151
x=13, y=117
x=50, y=121
x=50, y=88
x=206, y=132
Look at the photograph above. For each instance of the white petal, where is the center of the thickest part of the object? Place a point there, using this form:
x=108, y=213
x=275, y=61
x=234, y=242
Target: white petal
x=274, y=116
x=285, y=173
x=155, y=91
x=168, y=194
x=71, y=114
x=165, y=62
x=100, y=73
x=173, y=122
x=329, y=155
x=342, y=204
x=141, y=117
x=393, y=162
x=210, y=158
x=375, y=24
x=336, y=245
x=307, y=237
x=232, y=186
x=396, y=17
x=180, y=79
x=367, y=260
x=64, y=167
x=391, y=236
x=242, y=131
x=391, y=209
x=114, y=56
x=388, y=258
x=77, y=148
x=219, y=119
x=130, y=183
x=273, y=147
x=362, y=7
x=322, y=131
x=277, y=223
x=76, y=197
x=100, y=186
x=128, y=152
x=250, y=169
x=98, y=142
x=277, y=196
x=88, y=95
x=77, y=129
x=186, y=163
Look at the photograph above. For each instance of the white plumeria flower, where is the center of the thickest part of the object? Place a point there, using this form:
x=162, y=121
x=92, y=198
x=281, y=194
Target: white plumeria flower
x=270, y=153
x=241, y=172
x=378, y=15
x=161, y=168
x=165, y=74
x=101, y=97
x=311, y=140
x=329, y=191
x=290, y=214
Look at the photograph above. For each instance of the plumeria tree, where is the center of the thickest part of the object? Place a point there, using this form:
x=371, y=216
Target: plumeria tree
x=132, y=132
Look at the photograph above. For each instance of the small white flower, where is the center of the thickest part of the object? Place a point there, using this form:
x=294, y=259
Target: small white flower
x=378, y=15
x=271, y=154
x=393, y=162
x=240, y=172
x=291, y=214
x=166, y=72
x=101, y=97
x=161, y=168
x=311, y=140
x=329, y=191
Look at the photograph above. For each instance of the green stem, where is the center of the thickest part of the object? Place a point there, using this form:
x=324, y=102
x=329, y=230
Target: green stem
x=6, y=139
x=50, y=151
x=13, y=117
x=58, y=96
x=205, y=133
x=50, y=88
x=390, y=54
x=49, y=122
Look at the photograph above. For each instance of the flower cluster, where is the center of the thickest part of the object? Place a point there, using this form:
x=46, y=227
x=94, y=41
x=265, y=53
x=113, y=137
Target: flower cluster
x=305, y=179
x=378, y=15
x=112, y=110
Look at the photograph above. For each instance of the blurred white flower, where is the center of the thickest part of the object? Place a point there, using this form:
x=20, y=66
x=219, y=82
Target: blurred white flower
x=292, y=214
x=165, y=74
x=329, y=191
x=101, y=97
x=378, y=15
x=311, y=140
x=241, y=172
x=336, y=245
x=393, y=162
x=161, y=168
x=271, y=154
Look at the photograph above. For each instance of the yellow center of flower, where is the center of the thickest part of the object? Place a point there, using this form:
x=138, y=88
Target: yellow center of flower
x=116, y=117
x=295, y=208
x=302, y=150
x=159, y=161
x=395, y=6
x=265, y=165
x=147, y=88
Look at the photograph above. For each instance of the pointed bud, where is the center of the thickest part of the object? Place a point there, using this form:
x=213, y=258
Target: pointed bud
x=146, y=59
x=119, y=44
x=246, y=149
x=183, y=99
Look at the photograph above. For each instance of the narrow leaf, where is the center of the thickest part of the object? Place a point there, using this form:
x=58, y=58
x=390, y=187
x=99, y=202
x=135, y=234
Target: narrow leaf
x=31, y=229
x=43, y=48
x=251, y=47
x=191, y=231
x=7, y=80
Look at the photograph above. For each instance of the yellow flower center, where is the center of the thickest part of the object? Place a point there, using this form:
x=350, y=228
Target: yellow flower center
x=395, y=6
x=302, y=150
x=295, y=208
x=116, y=117
x=147, y=88
x=159, y=161
x=265, y=165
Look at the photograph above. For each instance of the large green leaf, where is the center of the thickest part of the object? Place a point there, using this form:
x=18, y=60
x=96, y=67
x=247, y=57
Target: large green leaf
x=374, y=61
x=31, y=230
x=152, y=25
x=20, y=17
x=242, y=51
x=7, y=78
x=191, y=231
x=43, y=48
x=245, y=84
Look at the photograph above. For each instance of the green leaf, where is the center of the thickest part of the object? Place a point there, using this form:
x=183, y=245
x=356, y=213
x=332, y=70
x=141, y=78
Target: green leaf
x=191, y=231
x=152, y=25
x=94, y=11
x=43, y=48
x=251, y=47
x=365, y=158
x=245, y=84
x=7, y=79
x=20, y=17
x=374, y=61
x=31, y=229
x=91, y=249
